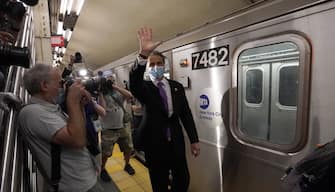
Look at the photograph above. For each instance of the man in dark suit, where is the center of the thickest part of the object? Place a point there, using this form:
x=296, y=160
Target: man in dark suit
x=165, y=106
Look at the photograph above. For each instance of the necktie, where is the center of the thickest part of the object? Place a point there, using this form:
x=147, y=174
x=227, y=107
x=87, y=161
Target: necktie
x=163, y=95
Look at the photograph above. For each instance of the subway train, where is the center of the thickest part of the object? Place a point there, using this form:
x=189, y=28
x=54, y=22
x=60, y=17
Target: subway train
x=258, y=82
x=259, y=87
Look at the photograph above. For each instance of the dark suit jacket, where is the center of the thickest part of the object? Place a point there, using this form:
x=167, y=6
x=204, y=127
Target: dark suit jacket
x=153, y=133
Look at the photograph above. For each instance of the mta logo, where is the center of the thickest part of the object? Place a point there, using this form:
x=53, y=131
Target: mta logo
x=204, y=102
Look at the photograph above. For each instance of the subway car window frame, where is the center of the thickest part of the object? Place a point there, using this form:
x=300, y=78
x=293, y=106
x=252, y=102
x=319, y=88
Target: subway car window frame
x=273, y=137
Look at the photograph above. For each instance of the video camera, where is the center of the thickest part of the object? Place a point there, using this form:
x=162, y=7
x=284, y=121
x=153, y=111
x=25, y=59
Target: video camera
x=11, y=16
x=93, y=85
x=77, y=58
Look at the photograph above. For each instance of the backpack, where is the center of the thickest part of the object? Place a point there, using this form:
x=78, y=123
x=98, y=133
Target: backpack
x=312, y=173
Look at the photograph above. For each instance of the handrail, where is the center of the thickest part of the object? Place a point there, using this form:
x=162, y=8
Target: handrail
x=14, y=159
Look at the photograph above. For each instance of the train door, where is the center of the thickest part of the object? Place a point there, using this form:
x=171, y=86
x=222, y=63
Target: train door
x=268, y=122
x=263, y=108
x=268, y=87
x=254, y=100
x=284, y=101
x=278, y=77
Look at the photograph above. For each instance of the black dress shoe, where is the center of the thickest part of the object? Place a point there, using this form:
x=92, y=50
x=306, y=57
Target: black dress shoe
x=129, y=169
x=105, y=176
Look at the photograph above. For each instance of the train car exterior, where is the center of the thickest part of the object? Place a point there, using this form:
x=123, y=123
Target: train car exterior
x=260, y=88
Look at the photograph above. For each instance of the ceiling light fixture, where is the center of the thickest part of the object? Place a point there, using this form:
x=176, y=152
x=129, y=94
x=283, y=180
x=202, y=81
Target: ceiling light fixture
x=68, y=34
x=63, y=6
x=69, y=6
x=60, y=27
x=68, y=14
x=82, y=72
x=79, y=6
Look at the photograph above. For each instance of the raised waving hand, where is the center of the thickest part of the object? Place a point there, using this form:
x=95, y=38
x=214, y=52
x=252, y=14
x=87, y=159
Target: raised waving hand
x=144, y=36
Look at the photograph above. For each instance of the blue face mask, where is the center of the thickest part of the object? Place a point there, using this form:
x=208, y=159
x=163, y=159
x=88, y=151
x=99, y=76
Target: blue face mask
x=156, y=72
x=60, y=98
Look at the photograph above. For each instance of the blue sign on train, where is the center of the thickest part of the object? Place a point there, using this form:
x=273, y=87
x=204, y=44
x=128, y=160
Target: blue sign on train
x=204, y=102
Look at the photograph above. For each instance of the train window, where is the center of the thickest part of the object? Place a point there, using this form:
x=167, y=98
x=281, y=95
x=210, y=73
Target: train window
x=288, y=85
x=268, y=79
x=254, y=86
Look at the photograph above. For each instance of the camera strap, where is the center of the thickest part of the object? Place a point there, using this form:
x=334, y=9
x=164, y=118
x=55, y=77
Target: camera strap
x=91, y=134
x=55, y=166
x=118, y=102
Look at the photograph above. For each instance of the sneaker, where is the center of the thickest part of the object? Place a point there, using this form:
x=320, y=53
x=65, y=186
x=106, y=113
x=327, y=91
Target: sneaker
x=105, y=176
x=129, y=169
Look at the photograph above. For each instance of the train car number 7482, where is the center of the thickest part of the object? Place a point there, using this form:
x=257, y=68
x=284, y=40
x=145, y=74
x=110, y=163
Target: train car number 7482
x=215, y=57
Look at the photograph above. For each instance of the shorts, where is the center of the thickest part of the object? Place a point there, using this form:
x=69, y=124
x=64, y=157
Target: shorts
x=111, y=136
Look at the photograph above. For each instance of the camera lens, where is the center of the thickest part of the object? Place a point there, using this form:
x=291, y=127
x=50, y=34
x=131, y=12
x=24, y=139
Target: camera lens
x=15, y=10
x=14, y=55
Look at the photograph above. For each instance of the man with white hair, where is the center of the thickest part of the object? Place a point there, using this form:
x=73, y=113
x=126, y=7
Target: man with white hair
x=43, y=124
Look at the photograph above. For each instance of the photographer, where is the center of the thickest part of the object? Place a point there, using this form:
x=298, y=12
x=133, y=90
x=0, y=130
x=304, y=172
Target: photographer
x=92, y=110
x=76, y=58
x=43, y=124
x=68, y=70
x=113, y=127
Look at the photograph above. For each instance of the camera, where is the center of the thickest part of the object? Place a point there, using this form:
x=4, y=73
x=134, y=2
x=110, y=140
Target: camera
x=93, y=85
x=97, y=85
x=78, y=58
x=11, y=16
x=10, y=55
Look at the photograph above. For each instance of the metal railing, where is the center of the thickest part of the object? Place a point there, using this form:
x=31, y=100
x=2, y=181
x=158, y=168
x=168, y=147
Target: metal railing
x=18, y=172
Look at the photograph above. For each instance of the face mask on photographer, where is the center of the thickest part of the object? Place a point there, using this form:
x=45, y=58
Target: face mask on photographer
x=60, y=98
x=156, y=72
